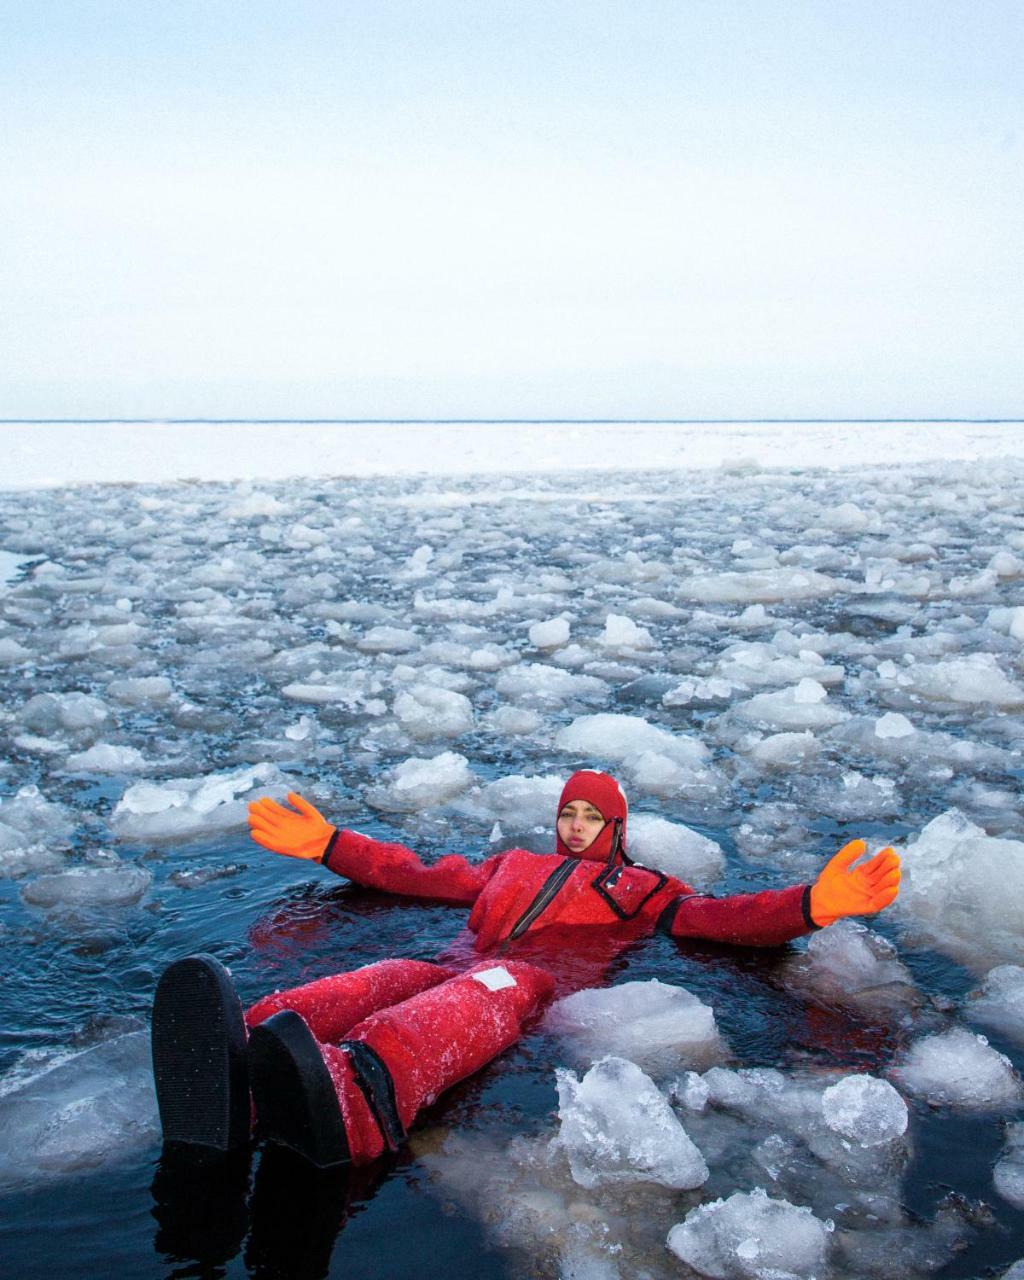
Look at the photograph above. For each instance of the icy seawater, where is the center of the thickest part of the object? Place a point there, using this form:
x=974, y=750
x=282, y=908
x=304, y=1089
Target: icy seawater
x=772, y=661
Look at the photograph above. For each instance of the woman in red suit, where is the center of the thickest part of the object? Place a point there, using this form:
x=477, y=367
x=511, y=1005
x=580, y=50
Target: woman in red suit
x=339, y=1068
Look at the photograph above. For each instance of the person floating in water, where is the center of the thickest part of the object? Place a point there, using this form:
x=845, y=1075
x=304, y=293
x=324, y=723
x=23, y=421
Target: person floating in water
x=338, y=1069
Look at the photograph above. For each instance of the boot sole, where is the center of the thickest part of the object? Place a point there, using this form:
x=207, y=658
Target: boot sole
x=296, y=1102
x=199, y=1056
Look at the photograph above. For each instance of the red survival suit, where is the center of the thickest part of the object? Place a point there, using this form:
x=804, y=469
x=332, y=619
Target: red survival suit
x=396, y=1034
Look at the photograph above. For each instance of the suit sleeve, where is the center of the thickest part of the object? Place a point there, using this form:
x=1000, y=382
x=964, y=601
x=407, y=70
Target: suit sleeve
x=393, y=868
x=765, y=919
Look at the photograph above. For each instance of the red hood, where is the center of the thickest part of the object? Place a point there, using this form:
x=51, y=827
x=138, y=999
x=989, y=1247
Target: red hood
x=602, y=791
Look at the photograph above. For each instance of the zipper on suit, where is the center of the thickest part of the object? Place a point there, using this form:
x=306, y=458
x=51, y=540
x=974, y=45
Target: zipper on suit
x=547, y=891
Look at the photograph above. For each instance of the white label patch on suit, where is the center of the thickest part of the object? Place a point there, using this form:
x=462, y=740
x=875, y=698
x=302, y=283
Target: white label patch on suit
x=496, y=979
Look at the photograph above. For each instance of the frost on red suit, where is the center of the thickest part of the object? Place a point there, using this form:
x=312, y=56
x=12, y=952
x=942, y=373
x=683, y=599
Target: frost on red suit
x=332, y=1006
x=518, y=893
x=432, y=1041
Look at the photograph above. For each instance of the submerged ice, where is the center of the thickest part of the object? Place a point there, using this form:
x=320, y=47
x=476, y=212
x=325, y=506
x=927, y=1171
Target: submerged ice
x=79, y=1111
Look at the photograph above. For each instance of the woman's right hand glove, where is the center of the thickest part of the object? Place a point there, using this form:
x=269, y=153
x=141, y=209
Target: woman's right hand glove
x=298, y=835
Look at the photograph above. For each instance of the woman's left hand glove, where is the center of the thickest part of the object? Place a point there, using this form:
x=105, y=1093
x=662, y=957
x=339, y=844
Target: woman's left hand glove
x=298, y=835
x=845, y=890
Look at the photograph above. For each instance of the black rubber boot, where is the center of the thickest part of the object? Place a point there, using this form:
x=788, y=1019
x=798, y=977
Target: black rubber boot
x=199, y=1057
x=296, y=1102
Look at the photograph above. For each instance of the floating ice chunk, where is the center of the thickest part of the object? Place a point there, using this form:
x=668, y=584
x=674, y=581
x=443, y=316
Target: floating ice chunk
x=615, y=737
x=118, y=885
x=674, y=849
x=1008, y=1174
x=621, y=634
x=660, y=775
x=893, y=725
x=804, y=706
x=516, y=721
x=11, y=651
x=766, y=586
x=538, y=685
x=999, y=1002
x=653, y=1023
x=138, y=691
x=300, y=730
x=963, y=891
x=847, y=518
x=848, y=964
x=751, y=1237
x=961, y=1070
x=357, y=691
x=77, y=712
x=1004, y=564
x=1016, y=1272
x=785, y=750
x=417, y=564
x=106, y=757
x=417, y=783
x=616, y=1126
x=489, y=657
x=713, y=689
x=388, y=640
x=973, y=680
x=761, y=664
x=549, y=635
x=1008, y=621
x=192, y=806
x=764, y=1095
x=255, y=504
x=520, y=802
x=426, y=711
x=33, y=830
x=856, y=797
x=864, y=1109
x=88, y=1109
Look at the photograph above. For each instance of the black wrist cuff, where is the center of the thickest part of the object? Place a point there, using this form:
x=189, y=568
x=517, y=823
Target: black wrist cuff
x=805, y=907
x=325, y=857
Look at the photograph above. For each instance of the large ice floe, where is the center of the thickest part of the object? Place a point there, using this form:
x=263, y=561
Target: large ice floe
x=659, y=1026
x=189, y=807
x=963, y=890
x=999, y=1001
x=850, y=965
x=960, y=1069
x=81, y=1110
x=617, y=1126
x=751, y=1236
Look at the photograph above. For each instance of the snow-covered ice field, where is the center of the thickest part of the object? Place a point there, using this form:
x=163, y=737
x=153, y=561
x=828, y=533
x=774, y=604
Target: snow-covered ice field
x=777, y=637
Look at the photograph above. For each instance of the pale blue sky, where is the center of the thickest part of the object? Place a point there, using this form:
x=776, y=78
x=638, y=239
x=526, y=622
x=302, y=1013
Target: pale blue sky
x=652, y=208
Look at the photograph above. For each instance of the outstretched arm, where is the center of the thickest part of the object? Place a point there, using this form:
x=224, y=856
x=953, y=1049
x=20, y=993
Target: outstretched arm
x=776, y=916
x=303, y=832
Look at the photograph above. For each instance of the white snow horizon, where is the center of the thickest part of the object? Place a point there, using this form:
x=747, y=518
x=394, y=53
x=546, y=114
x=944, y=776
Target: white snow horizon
x=48, y=455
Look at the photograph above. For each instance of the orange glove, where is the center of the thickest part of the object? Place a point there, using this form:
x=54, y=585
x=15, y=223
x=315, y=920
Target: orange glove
x=845, y=890
x=299, y=835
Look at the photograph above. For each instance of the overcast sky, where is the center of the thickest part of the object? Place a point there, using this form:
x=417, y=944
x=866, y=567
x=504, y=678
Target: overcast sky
x=501, y=208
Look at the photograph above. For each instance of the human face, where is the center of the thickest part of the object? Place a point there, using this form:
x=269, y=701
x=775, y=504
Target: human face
x=579, y=825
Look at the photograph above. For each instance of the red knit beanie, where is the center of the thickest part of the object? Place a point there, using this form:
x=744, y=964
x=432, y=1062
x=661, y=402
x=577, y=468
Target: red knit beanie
x=604, y=793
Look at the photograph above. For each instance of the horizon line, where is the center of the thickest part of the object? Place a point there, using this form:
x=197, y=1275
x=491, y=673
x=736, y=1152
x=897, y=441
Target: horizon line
x=158, y=421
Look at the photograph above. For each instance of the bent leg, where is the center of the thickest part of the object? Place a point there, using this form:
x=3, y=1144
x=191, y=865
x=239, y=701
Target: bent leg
x=358, y=1099
x=332, y=1006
